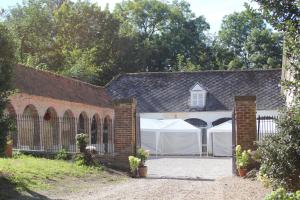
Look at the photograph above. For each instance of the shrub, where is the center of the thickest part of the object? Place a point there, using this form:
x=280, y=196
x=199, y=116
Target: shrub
x=143, y=156
x=281, y=194
x=7, y=63
x=281, y=152
x=242, y=157
x=81, y=141
x=62, y=155
x=133, y=163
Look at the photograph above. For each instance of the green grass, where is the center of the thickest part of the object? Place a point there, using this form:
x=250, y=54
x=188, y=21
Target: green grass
x=27, y=172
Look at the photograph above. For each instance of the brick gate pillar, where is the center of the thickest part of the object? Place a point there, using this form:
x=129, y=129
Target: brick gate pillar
x=124, y=131
x=245, y=121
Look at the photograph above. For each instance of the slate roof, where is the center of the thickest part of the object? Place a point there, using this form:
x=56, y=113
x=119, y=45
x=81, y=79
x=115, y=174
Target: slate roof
x=170, y=91
x=43, y=83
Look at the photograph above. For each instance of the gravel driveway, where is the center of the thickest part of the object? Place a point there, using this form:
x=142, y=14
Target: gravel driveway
x=189, y=167
x=231, y=188
x=174, y=178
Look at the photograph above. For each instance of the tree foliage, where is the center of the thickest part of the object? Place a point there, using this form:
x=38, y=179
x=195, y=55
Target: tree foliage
x=82, y=40
x=7, y=62
x=244, y=34
x=281, y=152
x=284, y=15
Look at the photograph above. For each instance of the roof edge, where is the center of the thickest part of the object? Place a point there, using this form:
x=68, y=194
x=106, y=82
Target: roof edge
x=60, y=76
x=205, y=71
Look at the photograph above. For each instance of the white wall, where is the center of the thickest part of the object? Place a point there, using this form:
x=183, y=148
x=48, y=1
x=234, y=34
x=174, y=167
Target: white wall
x=208, y=116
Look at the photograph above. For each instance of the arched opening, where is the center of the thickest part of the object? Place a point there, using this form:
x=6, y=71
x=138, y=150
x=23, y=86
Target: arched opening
x=95, y=132
x=10, y=112
x=220, y=121
x=196, y=122
x=106, y=133
x=68, y=132
x=202, y=125
x=30, y=129
x=50, y=130
x=82, y=126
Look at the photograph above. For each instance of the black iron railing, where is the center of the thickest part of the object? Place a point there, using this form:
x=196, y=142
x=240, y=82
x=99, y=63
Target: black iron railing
x=35, y=133
x=266, y=125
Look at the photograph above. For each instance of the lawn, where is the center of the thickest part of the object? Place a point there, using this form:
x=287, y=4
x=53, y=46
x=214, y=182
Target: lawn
x=27, y=173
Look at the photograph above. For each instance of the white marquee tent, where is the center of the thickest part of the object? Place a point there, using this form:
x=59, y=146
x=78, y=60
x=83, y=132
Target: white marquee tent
x=219, y=138
x=170, y=137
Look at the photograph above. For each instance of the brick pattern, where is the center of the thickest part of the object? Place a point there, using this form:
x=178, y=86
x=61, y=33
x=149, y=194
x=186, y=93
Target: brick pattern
x=245, y=121
x=125, y=131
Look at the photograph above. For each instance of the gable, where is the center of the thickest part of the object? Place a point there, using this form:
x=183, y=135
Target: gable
x=197, y=87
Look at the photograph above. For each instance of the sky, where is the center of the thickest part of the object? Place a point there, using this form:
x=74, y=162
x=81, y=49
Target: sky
x=212, y=10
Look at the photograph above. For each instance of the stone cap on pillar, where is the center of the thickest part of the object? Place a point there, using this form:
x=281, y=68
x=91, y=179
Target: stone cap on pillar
x=125, y=101
x=245, y=98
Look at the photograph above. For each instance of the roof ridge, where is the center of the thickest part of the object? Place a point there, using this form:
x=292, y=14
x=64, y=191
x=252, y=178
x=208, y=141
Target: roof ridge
x=60, y=76
x=205, y=71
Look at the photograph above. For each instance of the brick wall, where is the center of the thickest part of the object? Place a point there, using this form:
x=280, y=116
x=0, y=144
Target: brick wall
x=245, y=121
x=125, y=131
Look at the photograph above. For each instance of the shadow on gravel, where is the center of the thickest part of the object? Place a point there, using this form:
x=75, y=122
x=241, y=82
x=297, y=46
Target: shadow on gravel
x=8, y=191
x=181, y=178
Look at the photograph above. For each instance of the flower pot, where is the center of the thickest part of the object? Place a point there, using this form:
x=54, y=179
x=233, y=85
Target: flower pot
x=242, y=172
x=143, y=171
x=9, y=150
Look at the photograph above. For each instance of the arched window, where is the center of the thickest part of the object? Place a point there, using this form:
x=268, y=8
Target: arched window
x=220, y=121
x=50, y=130
x=95, y=130
x=30, y=129
x=68, y=132
x=13, y=133
x=106, y=133
x=196, y=122
x=82, y=126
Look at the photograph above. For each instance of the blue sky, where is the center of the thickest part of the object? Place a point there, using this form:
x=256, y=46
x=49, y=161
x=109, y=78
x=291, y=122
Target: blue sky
x=213, y=10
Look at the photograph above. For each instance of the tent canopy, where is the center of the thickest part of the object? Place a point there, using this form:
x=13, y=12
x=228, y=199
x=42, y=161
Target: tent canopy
x=224, y=127
x=168, y=125
x=170, y=136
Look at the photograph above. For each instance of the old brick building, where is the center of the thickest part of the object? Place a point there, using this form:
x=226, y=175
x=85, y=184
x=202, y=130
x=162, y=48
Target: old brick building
x=50, y=110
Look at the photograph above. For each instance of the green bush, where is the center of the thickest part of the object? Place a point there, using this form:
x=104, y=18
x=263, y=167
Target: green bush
x=281, y=194
x=62, y=155
x=85, y=159
x=7, y=63
x=281, y=152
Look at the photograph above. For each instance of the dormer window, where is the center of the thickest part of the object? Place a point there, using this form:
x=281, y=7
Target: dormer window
x=198, y=96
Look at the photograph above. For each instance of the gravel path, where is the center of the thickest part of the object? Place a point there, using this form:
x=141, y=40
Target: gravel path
x=231, y=188
x=173, y=178
x=190, y=167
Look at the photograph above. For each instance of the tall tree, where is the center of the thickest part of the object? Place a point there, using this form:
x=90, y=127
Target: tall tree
x=7, y=62
x=244, y=33
x=164, y=31
x=284, y=15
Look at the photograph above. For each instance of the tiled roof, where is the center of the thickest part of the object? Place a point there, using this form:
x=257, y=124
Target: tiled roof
x=170, y=91
x=47, y=84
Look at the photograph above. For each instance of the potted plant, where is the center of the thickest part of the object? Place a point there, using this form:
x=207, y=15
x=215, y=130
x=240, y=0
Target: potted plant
x=134, y=164
x=143, y=156
x=81, y=140
x=242, y=160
